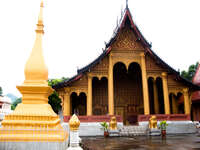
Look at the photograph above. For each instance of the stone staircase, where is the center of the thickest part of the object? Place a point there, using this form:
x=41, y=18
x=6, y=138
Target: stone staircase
x=133, y=131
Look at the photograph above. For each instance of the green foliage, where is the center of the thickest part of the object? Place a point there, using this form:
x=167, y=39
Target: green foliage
x=52, y=82
x=104, y=126
x=15, y=103
x=1, y=91
x=191, y=71
x=54, y=99
x=163, y=125
x=55, y=102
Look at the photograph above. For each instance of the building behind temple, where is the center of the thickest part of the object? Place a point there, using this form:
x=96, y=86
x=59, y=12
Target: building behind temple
x=5, y=106
x=196, y=97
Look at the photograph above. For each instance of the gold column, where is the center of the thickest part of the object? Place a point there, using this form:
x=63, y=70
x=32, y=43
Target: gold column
x=110, y=87
x=155, y=95
x=145, y=85
x=67, y=102
x=165, y=93
x=186, y=101
x=89, y=97
x=174, y=105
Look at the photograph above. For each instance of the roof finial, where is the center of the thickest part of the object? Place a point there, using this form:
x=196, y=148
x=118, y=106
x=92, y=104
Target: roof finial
x=126, y=3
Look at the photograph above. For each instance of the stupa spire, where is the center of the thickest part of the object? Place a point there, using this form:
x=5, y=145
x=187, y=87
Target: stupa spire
x=36, y=71
x=40, y=25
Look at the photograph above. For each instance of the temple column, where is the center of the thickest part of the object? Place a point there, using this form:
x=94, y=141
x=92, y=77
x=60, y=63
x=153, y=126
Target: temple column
x=186, y=101
x=174, y=105
x=145, y=85
x=155, y=95
x=89, y=96
x=165, y=93
x=67, y=110
x=110, y=87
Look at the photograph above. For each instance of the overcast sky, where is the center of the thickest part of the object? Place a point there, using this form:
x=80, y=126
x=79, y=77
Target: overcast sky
x=75, y=32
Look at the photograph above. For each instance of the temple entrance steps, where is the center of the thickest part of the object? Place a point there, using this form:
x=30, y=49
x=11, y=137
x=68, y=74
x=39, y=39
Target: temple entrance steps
x=133, y=130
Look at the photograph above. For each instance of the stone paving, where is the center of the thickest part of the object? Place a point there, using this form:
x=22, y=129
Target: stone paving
x=171, y=142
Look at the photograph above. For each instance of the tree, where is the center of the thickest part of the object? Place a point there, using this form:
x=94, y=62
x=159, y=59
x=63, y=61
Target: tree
x=15, y=103
x=54, y=99
x=55, y=102
x=1, y=91
x=190, y=72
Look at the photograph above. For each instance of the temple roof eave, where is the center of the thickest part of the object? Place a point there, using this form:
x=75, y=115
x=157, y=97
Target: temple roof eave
x=108, y=48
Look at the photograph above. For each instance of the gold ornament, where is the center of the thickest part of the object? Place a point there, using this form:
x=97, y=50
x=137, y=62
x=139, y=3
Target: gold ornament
x=153, y=122
x=113, y=123
x=74, y=123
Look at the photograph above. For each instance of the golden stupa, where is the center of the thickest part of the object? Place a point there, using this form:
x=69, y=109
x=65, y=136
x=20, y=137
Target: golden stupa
x=34, y=119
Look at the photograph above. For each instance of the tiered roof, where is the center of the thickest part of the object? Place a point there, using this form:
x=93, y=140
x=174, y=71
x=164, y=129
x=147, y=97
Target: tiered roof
x=126, y=17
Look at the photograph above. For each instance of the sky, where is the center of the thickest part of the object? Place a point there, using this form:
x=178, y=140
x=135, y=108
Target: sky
x=76, y=32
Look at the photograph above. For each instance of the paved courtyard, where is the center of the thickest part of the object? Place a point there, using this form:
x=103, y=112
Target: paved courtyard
x=171, y=142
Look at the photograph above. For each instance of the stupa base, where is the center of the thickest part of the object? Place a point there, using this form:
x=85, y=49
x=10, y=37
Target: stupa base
x=23, y=135
x=34, y=145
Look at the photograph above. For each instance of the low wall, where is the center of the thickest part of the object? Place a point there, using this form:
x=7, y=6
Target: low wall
x=90, y=128
x=160, y=117
x=102, y=118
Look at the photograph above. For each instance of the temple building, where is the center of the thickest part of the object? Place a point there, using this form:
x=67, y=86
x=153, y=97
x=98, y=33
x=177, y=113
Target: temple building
x=196, y=97
x=127, y=80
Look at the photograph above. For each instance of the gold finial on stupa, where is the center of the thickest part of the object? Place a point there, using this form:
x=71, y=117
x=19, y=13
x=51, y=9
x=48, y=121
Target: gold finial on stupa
x=40, y=25
x=36, y=71
x=74, y=123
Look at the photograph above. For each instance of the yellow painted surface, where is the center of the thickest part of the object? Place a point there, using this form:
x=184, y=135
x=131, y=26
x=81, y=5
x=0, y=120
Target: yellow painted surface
x=165, y=93
x=186, y=101
x=34, y=119
x=145, y=85
x=89, y=98
x=67, y=104
x=110, y=88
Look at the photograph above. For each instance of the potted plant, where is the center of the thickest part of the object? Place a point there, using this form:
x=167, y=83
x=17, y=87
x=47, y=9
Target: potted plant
x=105, y=128
x=163, y=125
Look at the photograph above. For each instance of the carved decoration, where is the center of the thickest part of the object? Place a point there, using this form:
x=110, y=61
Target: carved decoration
x=152, y=66
x=78, y=90
x=81, y=82
x=101, y=67
x=126, y=40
